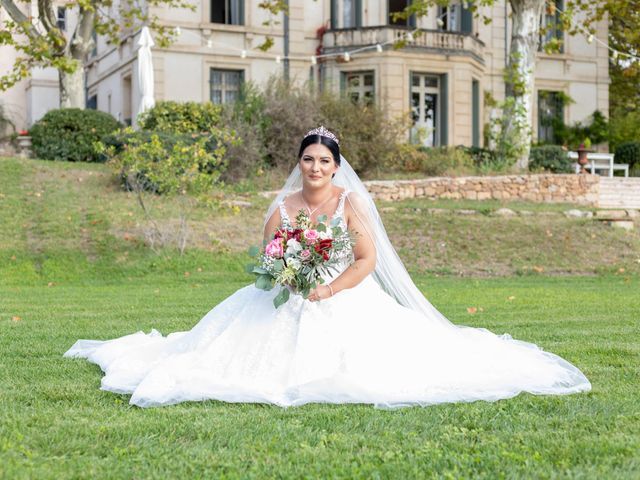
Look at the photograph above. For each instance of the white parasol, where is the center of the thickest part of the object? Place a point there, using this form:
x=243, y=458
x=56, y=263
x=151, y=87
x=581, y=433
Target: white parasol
x=145, y=70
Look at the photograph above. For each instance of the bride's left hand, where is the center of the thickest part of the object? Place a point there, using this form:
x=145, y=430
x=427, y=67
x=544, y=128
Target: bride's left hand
x=321, y=292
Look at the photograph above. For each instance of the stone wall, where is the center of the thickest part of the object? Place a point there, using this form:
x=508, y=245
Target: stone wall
x=578, y=189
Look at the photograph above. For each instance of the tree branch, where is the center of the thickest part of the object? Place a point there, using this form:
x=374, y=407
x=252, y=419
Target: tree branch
x=46, y=15
x=19, y=17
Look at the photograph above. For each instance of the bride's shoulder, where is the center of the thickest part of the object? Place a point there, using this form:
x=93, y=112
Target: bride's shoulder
x=354, y=199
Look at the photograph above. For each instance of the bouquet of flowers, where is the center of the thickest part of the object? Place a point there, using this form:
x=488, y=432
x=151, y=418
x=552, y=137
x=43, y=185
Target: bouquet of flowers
x=298, y=258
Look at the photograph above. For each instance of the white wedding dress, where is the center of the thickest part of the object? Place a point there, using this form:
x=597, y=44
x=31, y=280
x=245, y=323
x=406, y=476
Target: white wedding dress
x=359, y=346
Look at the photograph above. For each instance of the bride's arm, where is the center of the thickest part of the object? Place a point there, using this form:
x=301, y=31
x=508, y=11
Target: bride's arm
x=272, y=224
x=364, y=250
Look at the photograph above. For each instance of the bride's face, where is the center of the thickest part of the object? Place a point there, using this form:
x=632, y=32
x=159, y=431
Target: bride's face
x=317, y=165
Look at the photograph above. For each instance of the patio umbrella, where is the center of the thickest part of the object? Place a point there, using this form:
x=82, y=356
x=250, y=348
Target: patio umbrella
x=145, y=70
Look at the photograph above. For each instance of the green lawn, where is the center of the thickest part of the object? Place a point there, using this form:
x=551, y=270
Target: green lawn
x=56, y=423
x=72, y=265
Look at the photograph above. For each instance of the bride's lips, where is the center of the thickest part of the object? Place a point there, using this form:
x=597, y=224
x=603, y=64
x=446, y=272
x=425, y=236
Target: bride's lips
x=314, y=177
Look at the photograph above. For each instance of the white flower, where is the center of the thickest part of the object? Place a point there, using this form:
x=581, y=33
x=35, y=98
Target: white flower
x=293, y=246
x=294, y=264
x=326, y=234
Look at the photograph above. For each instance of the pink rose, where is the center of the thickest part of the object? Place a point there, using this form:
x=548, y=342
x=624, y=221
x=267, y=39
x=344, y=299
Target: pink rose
x=311, y=235
x=274, y=248
x=305, y=254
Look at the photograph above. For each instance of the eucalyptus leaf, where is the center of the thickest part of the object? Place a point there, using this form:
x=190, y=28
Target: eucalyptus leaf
x=253, y=251
x=321, y=219
x=281, y=298
x=259, y=270
x=249, y=268
x=263, y=282
x=321, y=227
x=278, y=265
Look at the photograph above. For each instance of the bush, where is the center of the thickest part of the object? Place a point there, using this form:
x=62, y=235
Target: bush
x=71, y=133
x=624, y=128
x=185, y=117
x=629, y=153
x=247, y=155
x=133, y=153
x=551, y=158
x=284, y=112
x=431, y=161
x=370, y=137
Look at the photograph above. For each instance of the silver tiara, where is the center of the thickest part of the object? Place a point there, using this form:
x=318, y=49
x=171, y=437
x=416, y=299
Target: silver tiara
x=323, y=132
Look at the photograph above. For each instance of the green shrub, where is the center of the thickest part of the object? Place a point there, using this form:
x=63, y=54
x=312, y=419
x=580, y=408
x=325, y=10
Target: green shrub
x=624, y=128
x=551, y=158
x=368, y=136
x=629, y=153
x=148, y=160
x=70, y=134
x=482, y=157
x=247, y=155
x=431, y=161
x=181, y=117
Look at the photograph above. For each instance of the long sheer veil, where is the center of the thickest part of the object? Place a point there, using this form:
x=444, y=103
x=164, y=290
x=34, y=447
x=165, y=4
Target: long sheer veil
x=390, y=272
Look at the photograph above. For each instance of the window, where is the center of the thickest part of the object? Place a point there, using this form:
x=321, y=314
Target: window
x=456, y=17
x=551, y=26
x=425, y=109
x=230, y=12
x=398, y=6
x=346, y=13
x=224, y=85
x=92, y=102
x=359, y=86
x=62, y=18
x=550, y=115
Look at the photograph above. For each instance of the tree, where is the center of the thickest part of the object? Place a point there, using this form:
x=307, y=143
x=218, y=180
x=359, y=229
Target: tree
x=41, y=42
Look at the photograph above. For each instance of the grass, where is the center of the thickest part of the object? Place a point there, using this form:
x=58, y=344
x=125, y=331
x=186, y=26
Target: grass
x=56, y=423
x=51, y=210
x=73, y=265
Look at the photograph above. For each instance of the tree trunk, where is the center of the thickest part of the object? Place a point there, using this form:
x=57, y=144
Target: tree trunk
x=526, y=16
x=72, y=85
x=72, y=88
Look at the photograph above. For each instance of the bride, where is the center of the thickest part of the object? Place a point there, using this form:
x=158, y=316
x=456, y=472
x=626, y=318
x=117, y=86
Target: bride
x=367, y=335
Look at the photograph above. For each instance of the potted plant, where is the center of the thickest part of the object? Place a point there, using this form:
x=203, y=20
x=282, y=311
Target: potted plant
x=583, y=149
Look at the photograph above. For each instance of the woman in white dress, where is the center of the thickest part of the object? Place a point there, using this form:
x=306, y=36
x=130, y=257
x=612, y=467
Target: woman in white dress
x=367, y=335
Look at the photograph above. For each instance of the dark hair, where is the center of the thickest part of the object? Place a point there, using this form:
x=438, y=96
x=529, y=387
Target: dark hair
x=326, y=141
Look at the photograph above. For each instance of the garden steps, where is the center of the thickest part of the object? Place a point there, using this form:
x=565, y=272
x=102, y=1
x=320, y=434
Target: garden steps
x=619, y=192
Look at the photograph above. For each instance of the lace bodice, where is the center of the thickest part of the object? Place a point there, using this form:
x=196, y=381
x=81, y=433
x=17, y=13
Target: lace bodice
x=345, y=255
x=339, y=213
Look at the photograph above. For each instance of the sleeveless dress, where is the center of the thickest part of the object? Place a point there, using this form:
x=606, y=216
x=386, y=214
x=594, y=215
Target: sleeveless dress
x=359, y=346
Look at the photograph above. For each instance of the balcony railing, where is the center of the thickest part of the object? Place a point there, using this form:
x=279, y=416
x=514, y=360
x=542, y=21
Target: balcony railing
x=436, y=40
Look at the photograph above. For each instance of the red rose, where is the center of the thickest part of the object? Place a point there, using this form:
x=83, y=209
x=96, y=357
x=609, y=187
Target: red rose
x=325, y=244
x=294, y=234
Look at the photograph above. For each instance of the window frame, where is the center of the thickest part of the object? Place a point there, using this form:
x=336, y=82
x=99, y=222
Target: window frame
x=546, y=133
x=228, y=9
x=464, y=22
x=61, y=17
x=439, y=134
x=223, y=90
x=362, y=89
x=555, y=31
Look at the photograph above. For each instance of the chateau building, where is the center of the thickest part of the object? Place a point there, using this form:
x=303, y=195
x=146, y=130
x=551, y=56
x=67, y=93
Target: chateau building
x=444, y=78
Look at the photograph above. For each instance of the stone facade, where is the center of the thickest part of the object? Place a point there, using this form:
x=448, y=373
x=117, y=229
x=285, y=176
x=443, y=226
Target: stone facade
x=552, y=188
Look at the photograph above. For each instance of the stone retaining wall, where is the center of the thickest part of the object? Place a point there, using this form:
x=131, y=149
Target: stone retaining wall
x=553, y=188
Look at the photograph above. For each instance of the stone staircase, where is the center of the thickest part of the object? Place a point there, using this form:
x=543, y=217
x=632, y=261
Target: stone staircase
x=619, y=192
